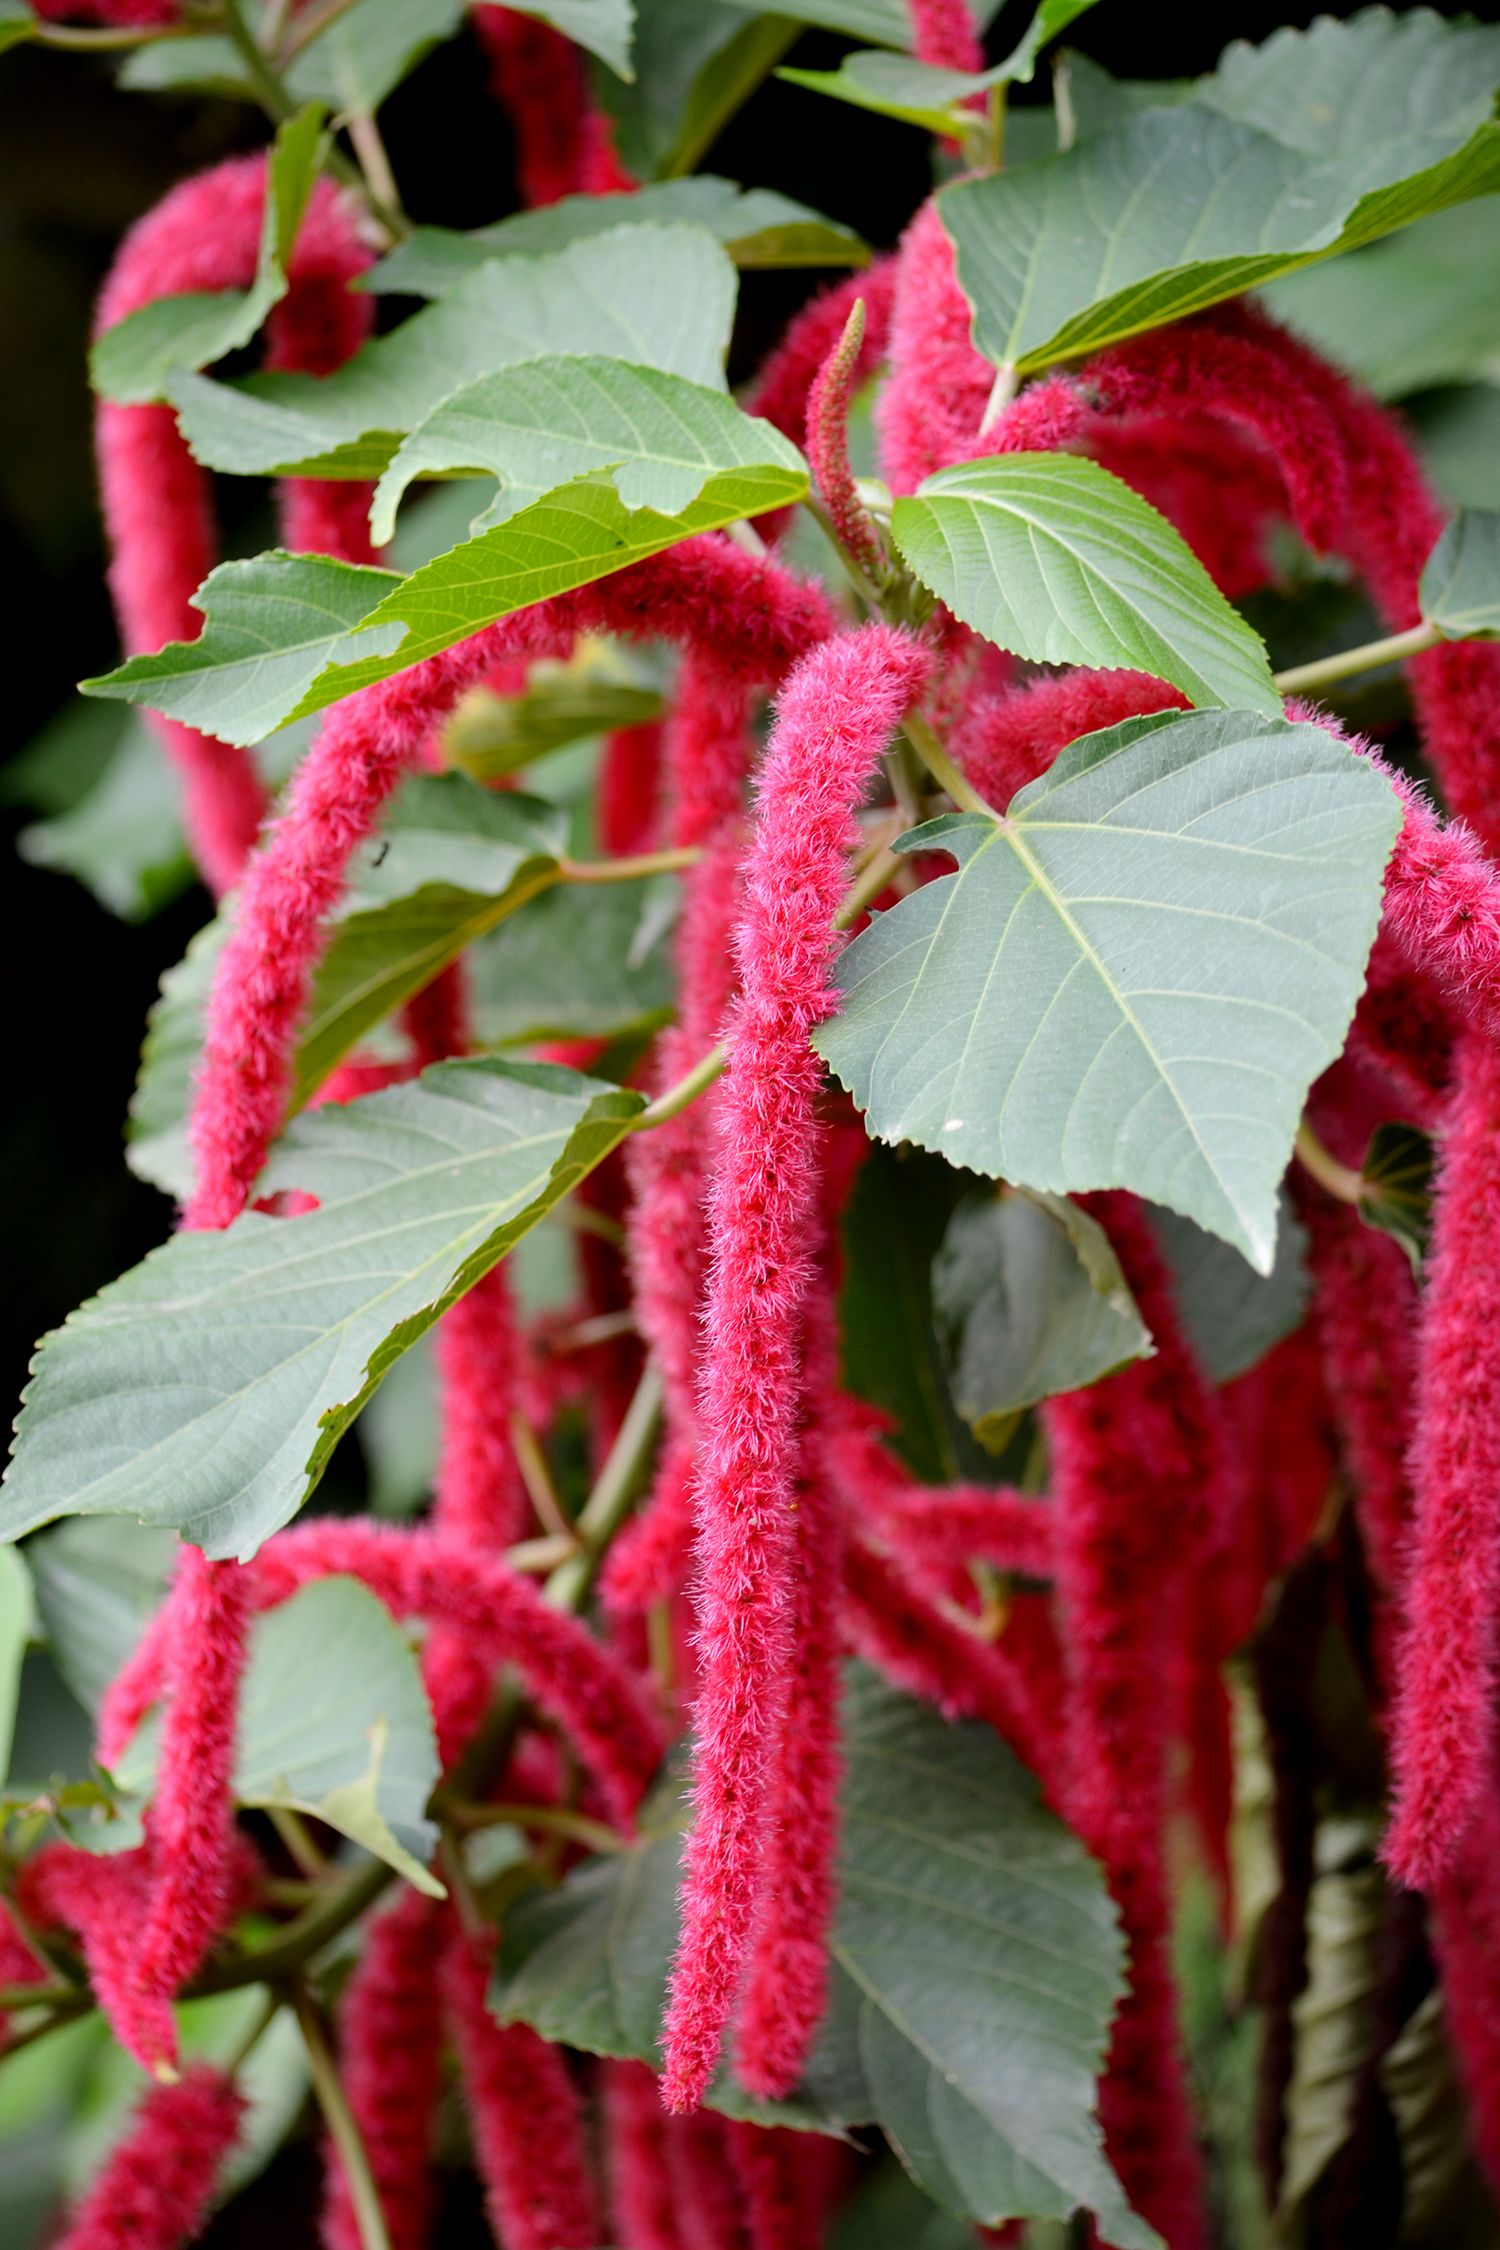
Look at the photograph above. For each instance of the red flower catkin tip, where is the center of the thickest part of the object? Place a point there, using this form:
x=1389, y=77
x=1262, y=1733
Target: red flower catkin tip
x=153, y=2191
x=828, y=447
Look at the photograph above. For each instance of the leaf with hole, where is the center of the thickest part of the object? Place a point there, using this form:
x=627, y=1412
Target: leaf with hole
x=1232, y=1315
x=333, y=1722
x=1135, y=975
x=208, y=1387
x=1030, y=1300
x=757, y=227
x=1313, y=144
x=129, y=362
x=1460, y=589
x=540, y=426
x=657, y=296
x=975, y=1967
x=1057, y=559
x=273, y=625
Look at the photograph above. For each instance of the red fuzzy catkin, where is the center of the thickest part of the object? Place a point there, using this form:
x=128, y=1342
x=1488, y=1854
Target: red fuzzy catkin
x=935, y=396
x=205, y=235
x=153, y=2190
x=1004, y=742
x=103, y=1900
x=1443, y=1736
x=828, y=445
x=523, y=2112
x=629, y=780
x=780, y=2186
x=943, y=33
x=390, y=2037
x=192, y=1811
x=781, y=390
x=640, y=2187
x=705, y=591
x=570, y=1675
x=835, y=717
x=706, y=2189
x=540, y=79
x=1134, y=1471
x=1465, y=1927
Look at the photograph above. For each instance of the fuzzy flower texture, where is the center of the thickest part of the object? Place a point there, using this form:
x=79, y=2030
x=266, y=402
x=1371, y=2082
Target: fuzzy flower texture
x=1353, y=1475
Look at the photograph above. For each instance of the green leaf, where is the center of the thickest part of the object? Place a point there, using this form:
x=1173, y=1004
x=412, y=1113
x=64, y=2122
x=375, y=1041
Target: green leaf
x=1443, y=2198
x=274, y=624
x=208, y=1387
x=365, y=54
x=98, y=1585
x=577, y=962
x=17, y=22
x=156, y=1143
x=890, y=1352
x=605, y=27
x=210, y=64
x=1057, y=559
x=399, y=1435
x=1051, y=17
x=539, y=426
x=451, y=859
x=756, y=226
x=1460, y=589
x=1459, y=435
x=65, y=759
x=658, y=118
x=1233, y=1315
x=1031, y=1301
x=919, y=93
x=130, y=362
x=1334, y=2016
x=124, y=840
x=491, y=735
x=1135, y=976
x=1316, y=143
x=659, y=296
x=1397, y=1178
x=579, y=533
x=1420, y=309
x=17, y=1627
x=975, y=1968
x=333, y=1722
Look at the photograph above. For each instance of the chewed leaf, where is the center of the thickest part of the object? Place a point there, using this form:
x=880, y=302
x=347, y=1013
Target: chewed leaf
x=1135, y=976
x=1058, y=560
x=208, y=1387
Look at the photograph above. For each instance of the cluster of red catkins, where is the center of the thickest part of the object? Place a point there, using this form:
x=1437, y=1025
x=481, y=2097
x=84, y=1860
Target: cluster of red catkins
x=781, y=1531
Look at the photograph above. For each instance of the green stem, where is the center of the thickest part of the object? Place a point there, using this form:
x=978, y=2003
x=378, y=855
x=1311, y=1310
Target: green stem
x=547, y=1820
x=1327, y=669
x=269, y=91
x=102, y=42
x=677, y=1098
x=613, y=1496
x=342, y=2129
x=17, y=1996
x=941, y=767
x=286, y=1953
x=628, y=870
x=309, y=27
x=1325, y=1168
x=262, y=2024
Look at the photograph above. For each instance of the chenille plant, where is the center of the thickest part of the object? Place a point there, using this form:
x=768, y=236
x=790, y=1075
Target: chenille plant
x=963, y=1628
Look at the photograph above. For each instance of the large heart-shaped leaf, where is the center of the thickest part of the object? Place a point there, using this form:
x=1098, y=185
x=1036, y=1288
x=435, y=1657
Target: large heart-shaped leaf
x=540, y=425
x=333, y=1722
x=1315, y=143
x=1136, y=974
x=757, y=227
x=208, y=1387
x=1057, y=559
x=658, y=296
x=272, y=625
x=975, y=1967
x=130, y=361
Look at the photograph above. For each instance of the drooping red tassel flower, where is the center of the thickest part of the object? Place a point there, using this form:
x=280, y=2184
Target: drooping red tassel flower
x=152, y=2192
x=390, y=2033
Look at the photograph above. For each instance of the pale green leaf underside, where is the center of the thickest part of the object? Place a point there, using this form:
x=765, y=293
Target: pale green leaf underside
x=976, y=1964
x=333, y=1722
x=1057, y=559
x=1316, y=143
x=17, y=1624
x=539, y=426
x=156, y=1142
x=273, y=624
x=1230, y=1314
x=1460, y=590
x=757, y=228
x=98, y=1585
x=207, y=1388
x=1134, y=978
x=658, y=296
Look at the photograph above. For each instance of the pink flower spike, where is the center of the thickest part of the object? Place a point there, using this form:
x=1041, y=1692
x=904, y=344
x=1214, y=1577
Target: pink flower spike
x=153, y=2190
x=835, y=716
x=641, y=2200
x=780, y=391
x=828, y=446
x=1443, y=1746
x=943, y=33
x=390, y=2035
x=104, y=1902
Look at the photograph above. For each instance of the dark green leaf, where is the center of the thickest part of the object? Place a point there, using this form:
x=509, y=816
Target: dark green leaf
x=208, y=1387
x=130, y=361
x=976, y=1965
x=1407, y=314
x=1057, y=559
x=124, y=839
x=919, y=93
x=657, y=296
x=539, y=426
x=1397, y=1177
x=156, y=1145
x=364, y=54
x=333, y=1722
x=65, y=759
x=1334, y=2016
x=1135, y=976
x=677, y=44
x=209, y=64
x=1095, y=100
x=1315, y=143
x=1460, y=589
x=493, y=735
x=1025, y=1311
x=450, y=860
x=1232, y=1314
x=577, y=962
x=17, y=1627
x=98, y=1584
x=603, y=26
x=757, y=227
x=1459, y=434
